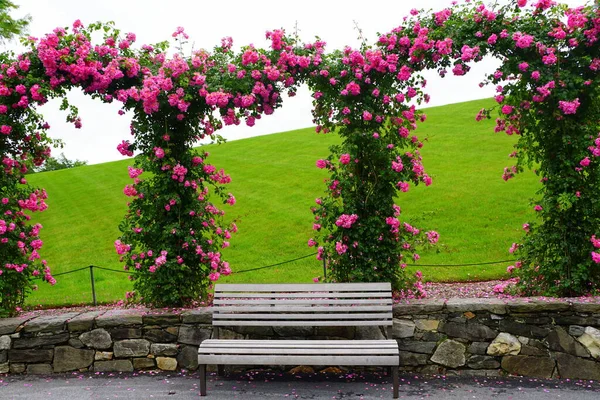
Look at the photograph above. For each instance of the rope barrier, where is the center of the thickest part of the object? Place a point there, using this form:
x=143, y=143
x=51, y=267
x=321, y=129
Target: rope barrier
x=460, y=265
x=275, y=265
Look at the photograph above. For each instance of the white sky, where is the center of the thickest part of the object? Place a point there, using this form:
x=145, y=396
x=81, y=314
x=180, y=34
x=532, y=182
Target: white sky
x=246, y=22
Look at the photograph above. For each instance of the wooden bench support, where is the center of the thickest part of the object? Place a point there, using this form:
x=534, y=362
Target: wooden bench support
x=362, y=304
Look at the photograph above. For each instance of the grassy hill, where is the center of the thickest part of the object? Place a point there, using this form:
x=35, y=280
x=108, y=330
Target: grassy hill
x=275, y=181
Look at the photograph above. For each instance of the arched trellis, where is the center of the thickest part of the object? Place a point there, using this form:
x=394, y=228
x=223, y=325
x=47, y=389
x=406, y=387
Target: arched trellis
x=172, y=232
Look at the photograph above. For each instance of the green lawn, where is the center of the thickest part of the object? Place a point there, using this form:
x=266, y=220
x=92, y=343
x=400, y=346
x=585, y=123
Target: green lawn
x=275, y=181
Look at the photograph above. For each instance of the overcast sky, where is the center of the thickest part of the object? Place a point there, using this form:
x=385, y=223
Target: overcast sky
x=246, y=21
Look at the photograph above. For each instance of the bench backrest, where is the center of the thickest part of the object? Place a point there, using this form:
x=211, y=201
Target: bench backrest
x=334, y=304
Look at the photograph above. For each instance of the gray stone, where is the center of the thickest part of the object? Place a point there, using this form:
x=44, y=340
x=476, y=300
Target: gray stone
x=504, y=344
x=39, y=369
x=159, y=336
x=575, y=368
x=482, y=362
x=478, y=348
x=31, y=355
x=576, y=330
x=10, y=325
x=495, y=306
x=534, y=306
x=3, y=356
x=222, y=333
x=163, y=349
x=591, y=340
x=131, y=348
x=430, y=336
x=574, y=320
x=427, y=324
x=369, y=333
x=75, y=343
x=4, y=368
x=294, y=331
x=418, y=307
x=515, y=328
x=450, y=353
x=476, y=372
x=5, y=342
x=417, y=347
x=103, y=355
x=115, y=318
x=528, y=350
x=17, y=368
x=403, y=328
x=113, y=366
x=83, y=322
x=199, y=316
x=69, y=359
x=408, y=358
x=188, y=358
x=583, y=306
x=560, y=340
x=540, y=367
x=31, y=342
x=125, y=333
x=166, y=363
x=433, y=369
x=96, y=339
x=193, y=335
x=470, y=331
x=161, y=319
x=267, y=331
x=143, y=363
x=49, y=323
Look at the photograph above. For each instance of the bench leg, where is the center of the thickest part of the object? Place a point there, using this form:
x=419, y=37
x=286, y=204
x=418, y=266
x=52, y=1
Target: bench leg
x=220, y=370
x=396, y=381
x=202, y=369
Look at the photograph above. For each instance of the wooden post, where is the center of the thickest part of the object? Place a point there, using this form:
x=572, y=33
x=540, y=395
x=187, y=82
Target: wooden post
x=93, y=286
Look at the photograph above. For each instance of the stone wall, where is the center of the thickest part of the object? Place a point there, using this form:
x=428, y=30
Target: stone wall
x=484, y=337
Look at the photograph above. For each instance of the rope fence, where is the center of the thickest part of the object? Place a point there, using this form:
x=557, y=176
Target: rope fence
x=91, y=269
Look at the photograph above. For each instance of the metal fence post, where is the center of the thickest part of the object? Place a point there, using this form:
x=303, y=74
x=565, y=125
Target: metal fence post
x=93, y=286
x=324, y=267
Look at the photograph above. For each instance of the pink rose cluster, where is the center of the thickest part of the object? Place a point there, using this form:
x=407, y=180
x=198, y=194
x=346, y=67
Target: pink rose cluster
x=346, y=221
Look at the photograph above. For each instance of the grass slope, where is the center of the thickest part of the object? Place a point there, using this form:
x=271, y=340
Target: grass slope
x=275, y=181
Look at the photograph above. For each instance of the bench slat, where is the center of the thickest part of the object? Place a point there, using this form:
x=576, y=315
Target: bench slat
x=267, y=316
x=307, y=322
x=308, y=287
x=300, y=308
x=254, y=342
x=303, y=301
x=369, y=360
x=298, y=351
x=304, y=295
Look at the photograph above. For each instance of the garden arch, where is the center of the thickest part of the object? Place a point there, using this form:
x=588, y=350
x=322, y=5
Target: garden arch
x=547, y=89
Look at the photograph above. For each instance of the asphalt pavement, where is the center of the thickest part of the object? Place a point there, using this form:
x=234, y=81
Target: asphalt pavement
x=272, y=385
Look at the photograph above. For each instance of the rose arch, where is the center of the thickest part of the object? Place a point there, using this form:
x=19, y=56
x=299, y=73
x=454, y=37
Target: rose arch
x=173, y=231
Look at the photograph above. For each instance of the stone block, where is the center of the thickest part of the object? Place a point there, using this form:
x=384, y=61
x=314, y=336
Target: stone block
x=75, y=343
x=4, y=368
x=369, y=333
x=125, y=333
x=559, y=340
x=450, y=353
x=143, y=363
x=39, y=369
x=199, y=316
x=17, y=368
x=84, y=321
x=10, y=325
x=478, y=348
x=504, y=344
x=294, y=331
x=113, y=366
x=49, y=323
x=496, y=306
x=131, y=348
x=427, y=324
x=582, y=306
x=38, y=341
x=103, y=355
x=189, y=334
x=5, y=342
x=591, y=341
x=163, y=349
x=166, y=363
x=471, y=331
x=188, y=358
x=412, y=359
x=3, y=356
x=159, y=336
x=31, y=356
x=572, y=367
x=482, y=362
x=539, y=367
x=222, y=333
x=419, y=307
x=417, y=346
x=576, y=330
x=96, y=339
x=114, y=318
x=165, y=319
x=403, y=328
x=67, y=358
x=536, y=306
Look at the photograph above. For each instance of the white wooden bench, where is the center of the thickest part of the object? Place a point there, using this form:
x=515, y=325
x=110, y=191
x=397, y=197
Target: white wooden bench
x=338, y=304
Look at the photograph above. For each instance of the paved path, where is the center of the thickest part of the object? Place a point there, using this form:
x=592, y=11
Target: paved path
x=263, y=385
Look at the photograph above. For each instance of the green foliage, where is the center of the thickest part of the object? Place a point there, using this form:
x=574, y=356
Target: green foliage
x=10, y=27
x=57, y=163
